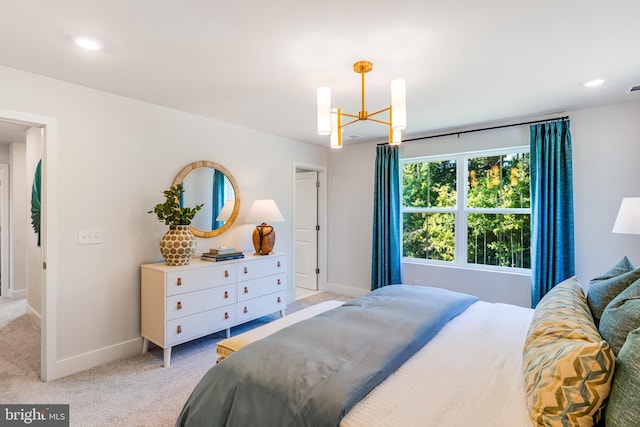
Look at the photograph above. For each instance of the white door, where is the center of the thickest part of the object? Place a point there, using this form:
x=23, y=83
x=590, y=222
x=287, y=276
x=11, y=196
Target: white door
x=306, y=230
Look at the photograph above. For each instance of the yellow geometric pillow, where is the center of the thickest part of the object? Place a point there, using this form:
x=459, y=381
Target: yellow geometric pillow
x=568, y=367
x=563, y=312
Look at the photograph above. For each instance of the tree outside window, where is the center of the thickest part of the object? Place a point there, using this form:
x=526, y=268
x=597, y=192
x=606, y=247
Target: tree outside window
x=489, y=216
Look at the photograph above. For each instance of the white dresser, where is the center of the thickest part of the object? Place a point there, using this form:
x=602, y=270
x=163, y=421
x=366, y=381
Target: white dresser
x=179, y=304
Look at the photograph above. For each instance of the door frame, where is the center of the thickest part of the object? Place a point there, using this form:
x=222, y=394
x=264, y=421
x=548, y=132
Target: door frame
x=4, y=229
x=48, y=233
x=322, y=220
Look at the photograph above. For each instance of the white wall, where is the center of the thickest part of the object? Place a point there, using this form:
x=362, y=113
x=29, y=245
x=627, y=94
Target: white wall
x=4, y=153
x=115, y=157
x=606, y=150
x=18, y=221
x=606, y=146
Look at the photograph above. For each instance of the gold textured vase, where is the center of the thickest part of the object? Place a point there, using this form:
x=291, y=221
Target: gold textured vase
x=178, y=245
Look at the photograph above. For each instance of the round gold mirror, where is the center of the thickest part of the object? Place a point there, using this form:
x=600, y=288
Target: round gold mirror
x=212, y=185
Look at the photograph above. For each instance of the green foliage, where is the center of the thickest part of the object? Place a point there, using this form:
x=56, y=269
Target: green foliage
x=170, y=212
x=494, y=182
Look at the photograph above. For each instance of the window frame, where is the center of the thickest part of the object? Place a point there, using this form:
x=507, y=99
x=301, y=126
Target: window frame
x=460, y=210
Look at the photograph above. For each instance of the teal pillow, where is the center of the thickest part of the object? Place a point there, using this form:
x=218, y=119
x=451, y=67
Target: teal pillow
x=623, y=409
x=607, y=286
x=621, y=316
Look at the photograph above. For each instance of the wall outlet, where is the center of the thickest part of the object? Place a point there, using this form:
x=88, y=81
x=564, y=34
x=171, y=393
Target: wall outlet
x=89, y=236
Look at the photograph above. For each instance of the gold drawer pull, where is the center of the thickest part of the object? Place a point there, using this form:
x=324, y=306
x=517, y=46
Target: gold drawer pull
x=226, y=315
x=278, y=264
x=279, y=300
x=179, y=305
x=246, y=270
x=246, y=310
x=226, y=273
x=246, y=291
x=279, y=282
x=179, y=281
x=226, y=294
x=179, y=329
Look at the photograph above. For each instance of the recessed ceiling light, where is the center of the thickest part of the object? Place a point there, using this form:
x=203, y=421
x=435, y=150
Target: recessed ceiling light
x=88, y=44
x=593, y=83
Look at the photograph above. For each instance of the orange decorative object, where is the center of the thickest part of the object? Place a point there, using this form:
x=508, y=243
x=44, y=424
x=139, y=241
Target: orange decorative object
x=264, y=238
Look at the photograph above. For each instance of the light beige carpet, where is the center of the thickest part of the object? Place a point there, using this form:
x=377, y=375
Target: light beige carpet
x=136, y=391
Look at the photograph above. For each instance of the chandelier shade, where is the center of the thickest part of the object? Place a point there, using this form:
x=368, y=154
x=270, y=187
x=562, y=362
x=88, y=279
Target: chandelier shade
x=330, y=120
x=324, y=111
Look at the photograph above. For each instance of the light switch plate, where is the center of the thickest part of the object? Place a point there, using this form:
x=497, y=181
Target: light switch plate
x=89, y=236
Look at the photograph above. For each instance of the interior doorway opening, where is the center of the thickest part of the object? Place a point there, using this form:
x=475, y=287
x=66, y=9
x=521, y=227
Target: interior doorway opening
x=309, y=230
x=41, y=135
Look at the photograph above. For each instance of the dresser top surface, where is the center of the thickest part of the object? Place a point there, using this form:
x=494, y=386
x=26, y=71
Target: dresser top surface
x=199, y=263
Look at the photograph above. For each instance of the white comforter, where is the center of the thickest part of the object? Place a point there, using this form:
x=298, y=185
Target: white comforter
x=470, y=374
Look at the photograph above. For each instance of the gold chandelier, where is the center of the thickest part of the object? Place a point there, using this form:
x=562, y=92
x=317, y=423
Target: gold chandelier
x=330, y=119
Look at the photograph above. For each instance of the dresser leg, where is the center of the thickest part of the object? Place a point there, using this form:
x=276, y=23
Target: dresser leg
x=145, y=345
x=282, y=313
x=167, y=357
x=228, y=332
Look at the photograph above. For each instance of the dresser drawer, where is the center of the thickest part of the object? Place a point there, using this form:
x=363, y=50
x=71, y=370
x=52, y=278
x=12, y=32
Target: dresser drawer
x=264, y=266
x=198, y=325
x=262, y=286
x=194, y=302
x=258, y=307
x=200, y=278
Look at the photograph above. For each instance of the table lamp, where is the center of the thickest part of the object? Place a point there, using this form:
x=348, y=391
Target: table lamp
x=628, y=219
x=264, y=236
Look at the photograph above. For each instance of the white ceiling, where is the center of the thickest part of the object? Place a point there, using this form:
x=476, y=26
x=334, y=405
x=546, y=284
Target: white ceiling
x=258, y=63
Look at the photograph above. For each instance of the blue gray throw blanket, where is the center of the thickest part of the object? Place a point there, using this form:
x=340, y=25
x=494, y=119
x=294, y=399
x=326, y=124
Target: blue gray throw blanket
x=313, y=372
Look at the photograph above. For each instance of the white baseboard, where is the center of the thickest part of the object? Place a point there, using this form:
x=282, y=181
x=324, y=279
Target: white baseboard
x=81, y=362
x=347, y=290
x=18, y=294
x=34, y=315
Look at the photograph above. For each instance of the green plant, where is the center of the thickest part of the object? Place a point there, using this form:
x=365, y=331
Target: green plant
x=170, y=211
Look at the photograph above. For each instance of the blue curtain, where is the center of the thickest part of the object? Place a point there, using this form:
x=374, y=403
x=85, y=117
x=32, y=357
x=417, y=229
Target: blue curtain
x=218, y=199
x=552, y=245
x=385, y=262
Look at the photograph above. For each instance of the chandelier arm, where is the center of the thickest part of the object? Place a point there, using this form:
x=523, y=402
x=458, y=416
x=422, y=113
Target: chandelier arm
x=350, y=123
x=380, y=111
x=350, y=115
x=379, y=121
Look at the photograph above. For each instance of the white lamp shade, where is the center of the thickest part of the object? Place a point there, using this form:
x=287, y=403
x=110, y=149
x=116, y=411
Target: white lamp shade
x=324, y=111
x=399, y=104
x=628, y=220
x=396, y=137
x=226, y=211
x=264, y=210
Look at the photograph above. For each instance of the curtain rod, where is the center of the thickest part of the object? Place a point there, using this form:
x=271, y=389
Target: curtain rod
x=482, y=129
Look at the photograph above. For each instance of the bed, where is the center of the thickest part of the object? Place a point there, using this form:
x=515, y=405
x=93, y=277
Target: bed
x=485, y=365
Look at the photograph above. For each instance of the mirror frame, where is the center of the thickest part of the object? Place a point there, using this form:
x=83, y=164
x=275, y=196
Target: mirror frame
x=236, y=208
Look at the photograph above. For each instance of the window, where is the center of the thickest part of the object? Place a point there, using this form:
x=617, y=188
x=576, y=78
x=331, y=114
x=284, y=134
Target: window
x=471, y=208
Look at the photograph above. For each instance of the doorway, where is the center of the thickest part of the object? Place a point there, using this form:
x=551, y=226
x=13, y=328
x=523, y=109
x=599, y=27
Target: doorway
x=47, y=129
x=309, y=229
x=4, y=230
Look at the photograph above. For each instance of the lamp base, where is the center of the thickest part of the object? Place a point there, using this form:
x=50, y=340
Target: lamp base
x=264, y=238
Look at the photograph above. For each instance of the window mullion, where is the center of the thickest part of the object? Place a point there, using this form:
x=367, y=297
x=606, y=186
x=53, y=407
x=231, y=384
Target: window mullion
x=461, y=216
